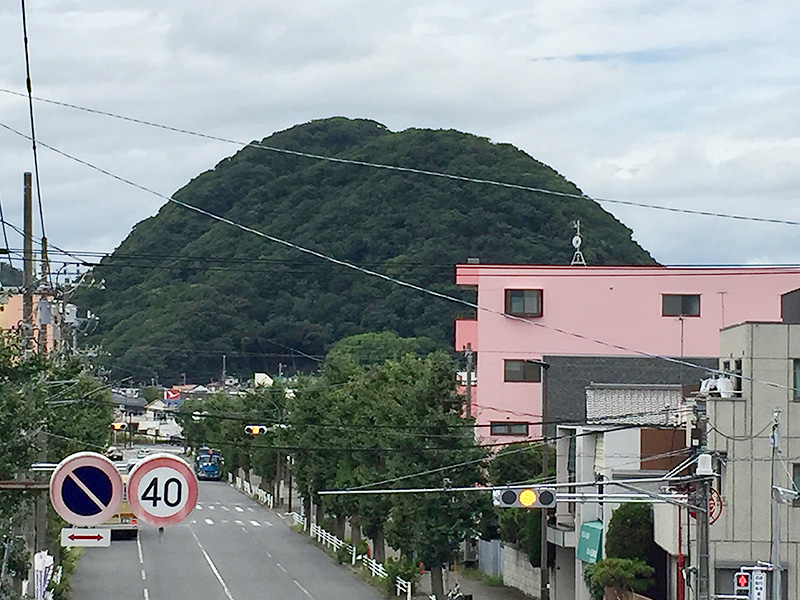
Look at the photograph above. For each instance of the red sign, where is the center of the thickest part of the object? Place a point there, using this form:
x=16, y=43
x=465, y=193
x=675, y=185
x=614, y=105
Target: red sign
x=162, y=490
x=714, y=506
x=172, y=395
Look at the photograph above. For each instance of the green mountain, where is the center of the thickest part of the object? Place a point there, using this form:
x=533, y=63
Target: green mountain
x=185, y=290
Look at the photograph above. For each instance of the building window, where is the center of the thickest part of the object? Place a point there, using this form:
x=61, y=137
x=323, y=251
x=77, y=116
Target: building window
x=524, y=303
x=796, y=481
x=733, y=369
x=680, y=305
x=796, y=366
x=509, y=428
x=523, y=370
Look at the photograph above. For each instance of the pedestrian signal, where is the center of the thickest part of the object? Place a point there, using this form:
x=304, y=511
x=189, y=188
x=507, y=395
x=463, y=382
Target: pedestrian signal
x=741, y=584
x=255, y=429
x=524, y=497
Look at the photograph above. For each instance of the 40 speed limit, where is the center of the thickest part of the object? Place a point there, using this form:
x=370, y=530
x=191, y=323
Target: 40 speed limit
x=162, y=490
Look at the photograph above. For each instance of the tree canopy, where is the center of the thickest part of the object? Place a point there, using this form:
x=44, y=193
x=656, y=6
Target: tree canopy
x=183, y=289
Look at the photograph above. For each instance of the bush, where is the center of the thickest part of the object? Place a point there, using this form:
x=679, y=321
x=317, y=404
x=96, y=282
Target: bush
x=627, y=574
x=402, y=568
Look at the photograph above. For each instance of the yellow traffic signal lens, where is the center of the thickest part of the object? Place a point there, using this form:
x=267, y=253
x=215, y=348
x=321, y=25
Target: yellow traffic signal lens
x=527, y=497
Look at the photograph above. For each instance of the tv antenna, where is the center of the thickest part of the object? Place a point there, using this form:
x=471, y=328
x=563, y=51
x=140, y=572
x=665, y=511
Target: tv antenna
x=577, y=240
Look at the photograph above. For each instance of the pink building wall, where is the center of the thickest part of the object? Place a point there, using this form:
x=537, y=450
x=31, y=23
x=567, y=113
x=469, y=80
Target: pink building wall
x=602, y=311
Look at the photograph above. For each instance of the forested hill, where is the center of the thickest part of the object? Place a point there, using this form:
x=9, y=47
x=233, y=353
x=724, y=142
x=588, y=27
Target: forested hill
x=183, y=289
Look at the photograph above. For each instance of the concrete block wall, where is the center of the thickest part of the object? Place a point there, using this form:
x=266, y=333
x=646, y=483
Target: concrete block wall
x=519, y=573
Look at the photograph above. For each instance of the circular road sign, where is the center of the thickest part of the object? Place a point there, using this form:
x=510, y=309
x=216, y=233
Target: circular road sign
x=86, y=489
x=162, y=490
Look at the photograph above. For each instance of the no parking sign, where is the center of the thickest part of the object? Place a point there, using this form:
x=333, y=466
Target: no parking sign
x=86, y=489
x=162, y=490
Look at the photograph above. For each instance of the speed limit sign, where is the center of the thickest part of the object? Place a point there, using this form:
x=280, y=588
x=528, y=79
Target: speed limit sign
x=162, y=490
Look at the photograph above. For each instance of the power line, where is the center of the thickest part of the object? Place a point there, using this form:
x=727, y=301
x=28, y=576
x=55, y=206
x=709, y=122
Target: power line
x=438, y=174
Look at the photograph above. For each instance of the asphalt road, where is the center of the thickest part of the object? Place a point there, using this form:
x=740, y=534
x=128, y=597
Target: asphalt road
x=229, y=548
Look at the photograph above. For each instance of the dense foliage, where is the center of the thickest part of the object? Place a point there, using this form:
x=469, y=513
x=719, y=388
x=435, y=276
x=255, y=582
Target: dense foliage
x=630, y=546
x=183, y=289
x=50, y=407
x=363, y=421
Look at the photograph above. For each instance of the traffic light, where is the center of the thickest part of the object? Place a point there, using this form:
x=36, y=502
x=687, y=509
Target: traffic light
x=255, y=429
x=741, y=584
x=119, y=426
x=524, y=497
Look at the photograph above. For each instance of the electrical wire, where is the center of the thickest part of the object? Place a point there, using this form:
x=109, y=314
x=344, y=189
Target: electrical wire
x=29, y=86
x=438, y=174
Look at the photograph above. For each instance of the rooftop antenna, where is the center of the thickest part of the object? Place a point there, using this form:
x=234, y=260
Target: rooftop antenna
x=577, y=240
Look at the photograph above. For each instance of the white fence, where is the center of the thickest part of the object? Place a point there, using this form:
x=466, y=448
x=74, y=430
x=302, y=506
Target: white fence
x=402, y=587
x=254, y=492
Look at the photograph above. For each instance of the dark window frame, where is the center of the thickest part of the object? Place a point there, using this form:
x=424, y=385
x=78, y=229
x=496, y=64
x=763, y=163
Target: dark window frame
x=509, y=301
x=530, y=372
x=498, y=428
x=690, y=305
x=796, y=379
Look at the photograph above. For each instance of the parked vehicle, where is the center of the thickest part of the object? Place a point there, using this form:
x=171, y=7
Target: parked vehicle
x=114, y=453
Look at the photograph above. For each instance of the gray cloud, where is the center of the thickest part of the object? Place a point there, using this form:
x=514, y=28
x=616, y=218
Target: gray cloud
x=681, y=104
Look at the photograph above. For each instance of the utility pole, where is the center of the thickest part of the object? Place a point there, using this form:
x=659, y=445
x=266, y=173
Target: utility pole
x=27, y=255
x=470, y=366
x=777, y=500
x=705, y=473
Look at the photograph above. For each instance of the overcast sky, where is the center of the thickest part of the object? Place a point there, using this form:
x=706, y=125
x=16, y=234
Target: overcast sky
x=684, y=104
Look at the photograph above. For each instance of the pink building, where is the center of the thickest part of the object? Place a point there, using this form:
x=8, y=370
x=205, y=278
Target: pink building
x=527, y=312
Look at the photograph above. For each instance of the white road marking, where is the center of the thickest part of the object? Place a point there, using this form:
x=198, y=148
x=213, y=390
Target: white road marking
x=251, y=509
x=239, y=508
x=211, y=507
x=243, y=528
x=302, y=589
x=209, y=522
x=144, y=575
x=139, y=549
x=224, y=521
x=224, y=507
x=268, y=524
x=213, y=568
x=146, y=594
x=281, y=567
x=193, y=521
x=199, y=506
x=269, y=555
x=255, y=523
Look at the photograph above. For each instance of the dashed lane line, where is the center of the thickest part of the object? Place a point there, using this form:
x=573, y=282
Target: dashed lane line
x=213, y=567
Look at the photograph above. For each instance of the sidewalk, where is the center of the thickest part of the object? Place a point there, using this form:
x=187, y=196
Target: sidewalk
x=479, y=590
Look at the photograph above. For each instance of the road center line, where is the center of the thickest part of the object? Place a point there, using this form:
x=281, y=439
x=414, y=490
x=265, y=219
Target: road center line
x=213, y=567
x=144, y=575
x=302, y=589
x=139, y=549
x=146, y=594
x=280, y=566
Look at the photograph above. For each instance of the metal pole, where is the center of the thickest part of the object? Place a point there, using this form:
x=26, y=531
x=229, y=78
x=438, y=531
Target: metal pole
x=470, y=362
x=544, y=558
x=775, y=557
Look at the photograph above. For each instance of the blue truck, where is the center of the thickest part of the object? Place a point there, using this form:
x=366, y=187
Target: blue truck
x=208, y=465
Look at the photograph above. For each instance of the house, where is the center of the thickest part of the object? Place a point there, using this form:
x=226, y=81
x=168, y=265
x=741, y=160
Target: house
x=528, y=312
x=632, y=440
